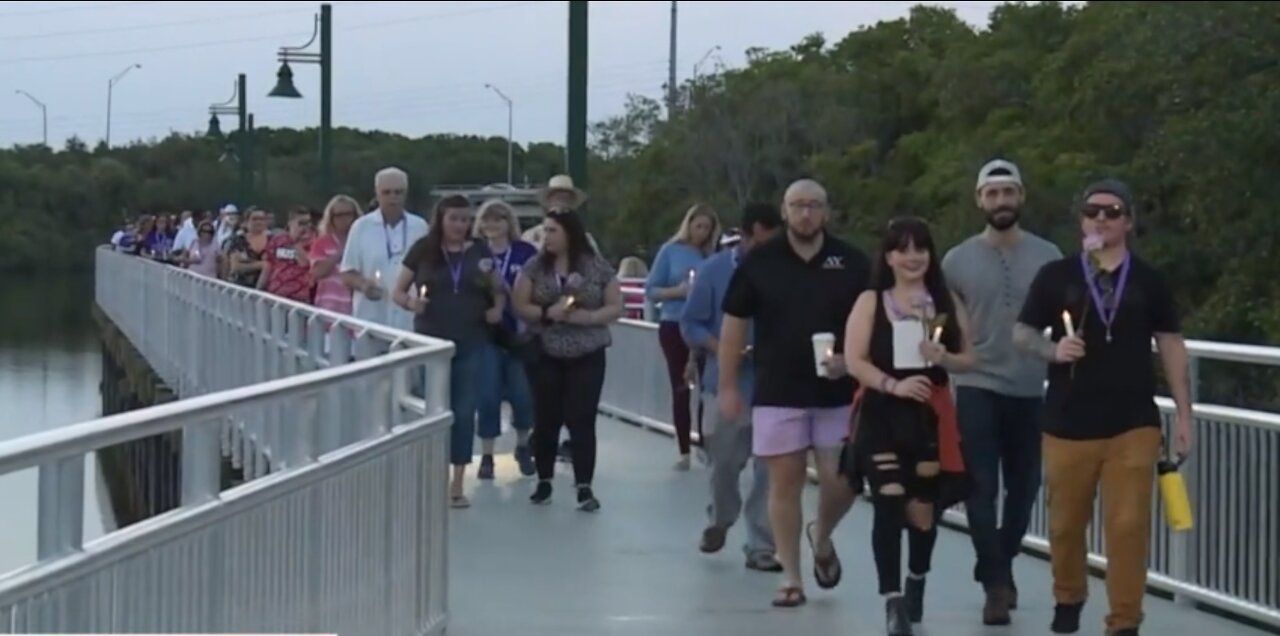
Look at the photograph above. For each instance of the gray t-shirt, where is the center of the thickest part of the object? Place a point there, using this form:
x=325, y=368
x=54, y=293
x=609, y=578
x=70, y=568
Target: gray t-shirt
x=993, y=282
x=453, y=315
x=587, y=284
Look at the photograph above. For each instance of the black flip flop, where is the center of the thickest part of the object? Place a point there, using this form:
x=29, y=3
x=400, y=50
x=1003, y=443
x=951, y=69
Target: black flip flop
x=827, y=570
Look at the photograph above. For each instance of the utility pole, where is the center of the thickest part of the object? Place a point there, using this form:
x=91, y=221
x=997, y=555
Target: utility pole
x=510, y=127
x=671, y=70
x=111, y=86
x=576, y=146
x=44, y=113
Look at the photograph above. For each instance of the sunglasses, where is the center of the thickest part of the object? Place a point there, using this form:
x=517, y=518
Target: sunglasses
x=1093, y=210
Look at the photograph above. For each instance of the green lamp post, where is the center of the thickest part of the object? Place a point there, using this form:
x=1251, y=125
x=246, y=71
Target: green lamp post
x=244, y=142
x=285, y=87
x=576, y=144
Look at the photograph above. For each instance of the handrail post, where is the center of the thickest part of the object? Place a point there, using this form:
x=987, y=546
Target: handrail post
x=201, y=463
x=60, y=508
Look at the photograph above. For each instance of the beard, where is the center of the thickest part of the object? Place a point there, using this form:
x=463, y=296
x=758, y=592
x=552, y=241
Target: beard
x=1004, y=217
x=805, y=237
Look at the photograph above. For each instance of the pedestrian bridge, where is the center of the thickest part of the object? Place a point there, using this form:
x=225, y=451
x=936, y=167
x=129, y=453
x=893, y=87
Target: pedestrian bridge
x=341, y=523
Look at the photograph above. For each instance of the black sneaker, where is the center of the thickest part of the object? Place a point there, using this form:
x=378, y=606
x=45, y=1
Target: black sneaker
x=915, y=599
x=525, y=459
x=896, y=621
x=1066, y=618
x=486, y=468
x=587, y=501
x=542, y=494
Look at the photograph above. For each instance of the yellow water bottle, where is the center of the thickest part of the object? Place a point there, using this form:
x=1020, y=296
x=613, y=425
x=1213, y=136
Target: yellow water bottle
x=1173, y=491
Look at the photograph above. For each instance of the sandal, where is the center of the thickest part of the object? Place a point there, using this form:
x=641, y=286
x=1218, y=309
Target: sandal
x=827, y=570
x=790, y=596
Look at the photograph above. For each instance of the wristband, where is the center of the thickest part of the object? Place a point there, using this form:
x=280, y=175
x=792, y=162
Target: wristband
x=886, y=384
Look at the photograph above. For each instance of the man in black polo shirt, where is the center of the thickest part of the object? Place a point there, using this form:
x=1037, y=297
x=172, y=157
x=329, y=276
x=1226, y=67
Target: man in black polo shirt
x=1100, y=422
x=799, y=285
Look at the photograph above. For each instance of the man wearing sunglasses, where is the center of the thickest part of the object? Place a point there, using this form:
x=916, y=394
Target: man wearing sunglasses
x=998, y=403
x=1101, y=424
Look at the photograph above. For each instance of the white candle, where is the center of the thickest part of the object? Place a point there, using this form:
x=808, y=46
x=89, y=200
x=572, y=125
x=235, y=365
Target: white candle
x=422, y=292
x=568, y=303
x=1066, y=323
x=377, y=276
x=937, y=334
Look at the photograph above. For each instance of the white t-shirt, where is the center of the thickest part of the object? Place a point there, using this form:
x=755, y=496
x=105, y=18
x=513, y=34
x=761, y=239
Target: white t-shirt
x=376, y=250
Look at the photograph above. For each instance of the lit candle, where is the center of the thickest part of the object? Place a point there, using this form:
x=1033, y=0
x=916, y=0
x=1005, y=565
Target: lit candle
x=377, y=276
x=937, y=334
x=422, y=292
x=692, y=273
x=195, y=254
x=568, y=302
x=1066, y=323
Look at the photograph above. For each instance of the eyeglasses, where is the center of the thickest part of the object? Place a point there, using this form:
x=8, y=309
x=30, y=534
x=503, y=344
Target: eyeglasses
x=1093, y=210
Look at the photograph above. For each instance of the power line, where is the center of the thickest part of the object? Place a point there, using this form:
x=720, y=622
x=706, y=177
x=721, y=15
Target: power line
x=261, y=38
x=160, y=25
x=91, y=7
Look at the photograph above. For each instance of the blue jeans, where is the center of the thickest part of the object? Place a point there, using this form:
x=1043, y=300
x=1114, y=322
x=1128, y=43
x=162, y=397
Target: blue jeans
x=502, y=379
x=1001, y=438
x=464, y=396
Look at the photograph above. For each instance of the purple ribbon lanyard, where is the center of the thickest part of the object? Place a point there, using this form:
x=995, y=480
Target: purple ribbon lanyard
x=502, y=273
x=1107, y=316
x=455, y=273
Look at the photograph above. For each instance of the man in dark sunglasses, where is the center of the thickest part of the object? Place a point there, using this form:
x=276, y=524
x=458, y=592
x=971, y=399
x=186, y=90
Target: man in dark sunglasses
x=1101, y=424
x=998, y=403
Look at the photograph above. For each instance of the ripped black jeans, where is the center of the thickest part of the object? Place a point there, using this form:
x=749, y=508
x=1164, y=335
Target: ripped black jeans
x=895, y=449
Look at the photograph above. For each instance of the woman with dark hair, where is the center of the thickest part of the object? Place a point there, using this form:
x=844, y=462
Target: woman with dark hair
x=451, y=285
x=903, y=339
x=568, y=295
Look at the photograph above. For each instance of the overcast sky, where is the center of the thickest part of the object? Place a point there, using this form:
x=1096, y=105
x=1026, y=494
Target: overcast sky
x=412, y=67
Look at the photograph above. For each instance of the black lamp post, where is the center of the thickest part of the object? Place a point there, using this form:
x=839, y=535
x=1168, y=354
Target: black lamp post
x=285, y=87
x=244, y=143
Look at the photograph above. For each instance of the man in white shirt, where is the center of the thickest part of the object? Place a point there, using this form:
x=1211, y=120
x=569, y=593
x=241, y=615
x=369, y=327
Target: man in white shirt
x=376, y=246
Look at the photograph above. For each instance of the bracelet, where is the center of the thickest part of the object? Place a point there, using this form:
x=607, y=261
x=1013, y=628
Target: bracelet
x=887, y=383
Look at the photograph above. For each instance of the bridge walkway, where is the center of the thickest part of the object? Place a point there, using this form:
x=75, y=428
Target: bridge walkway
x=634, y=567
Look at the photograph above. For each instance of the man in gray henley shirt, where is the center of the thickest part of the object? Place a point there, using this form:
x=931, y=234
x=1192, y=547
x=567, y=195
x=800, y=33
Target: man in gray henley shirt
x=998, y=402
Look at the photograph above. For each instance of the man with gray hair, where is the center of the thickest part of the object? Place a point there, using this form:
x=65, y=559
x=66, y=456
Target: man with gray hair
x=376, y=246
x=998, y=402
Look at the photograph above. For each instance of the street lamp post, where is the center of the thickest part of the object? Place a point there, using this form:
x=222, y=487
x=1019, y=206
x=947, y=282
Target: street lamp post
x=111, y=85
x=510, y=122
x=244, y=143
x=285, y=88
x=44, y=112
x=576, y=144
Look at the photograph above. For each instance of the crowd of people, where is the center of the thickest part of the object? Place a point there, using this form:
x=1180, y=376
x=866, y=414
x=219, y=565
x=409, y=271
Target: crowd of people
x=915, y=376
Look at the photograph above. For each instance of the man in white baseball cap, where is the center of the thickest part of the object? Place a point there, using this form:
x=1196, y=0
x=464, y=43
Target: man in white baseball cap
x=998, y=402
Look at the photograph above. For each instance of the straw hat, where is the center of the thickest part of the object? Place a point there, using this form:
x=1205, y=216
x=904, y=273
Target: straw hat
x=562, y=183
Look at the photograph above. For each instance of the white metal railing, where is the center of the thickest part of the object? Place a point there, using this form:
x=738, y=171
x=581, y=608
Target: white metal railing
x=1230, y=560
x=341, y=526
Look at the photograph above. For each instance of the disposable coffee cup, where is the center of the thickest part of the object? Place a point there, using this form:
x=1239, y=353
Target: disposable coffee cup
x=823, y=345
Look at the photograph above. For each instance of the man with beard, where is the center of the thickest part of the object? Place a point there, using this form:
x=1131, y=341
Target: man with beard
x=998, y=402
x=797, y=289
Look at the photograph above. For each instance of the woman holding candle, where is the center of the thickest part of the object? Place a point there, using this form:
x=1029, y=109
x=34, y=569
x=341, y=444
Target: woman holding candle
x=569, y=295
x=203, y=257
x=903, y=339
x=502, y=367
x=668, y=283
x=452, y=287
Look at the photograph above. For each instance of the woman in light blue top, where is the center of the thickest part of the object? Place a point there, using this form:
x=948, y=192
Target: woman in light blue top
x=668, y=283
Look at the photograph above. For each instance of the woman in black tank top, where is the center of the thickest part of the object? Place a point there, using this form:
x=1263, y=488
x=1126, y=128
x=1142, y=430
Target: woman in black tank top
x=904, y=338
